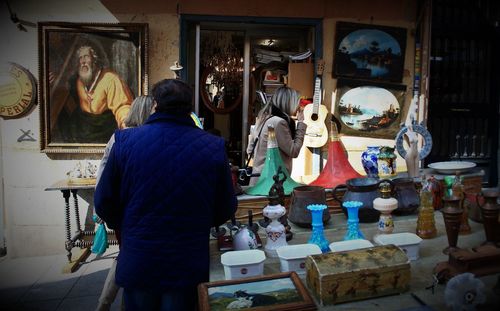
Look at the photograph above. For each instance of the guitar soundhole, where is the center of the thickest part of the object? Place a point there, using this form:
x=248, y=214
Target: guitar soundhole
x=314, y=116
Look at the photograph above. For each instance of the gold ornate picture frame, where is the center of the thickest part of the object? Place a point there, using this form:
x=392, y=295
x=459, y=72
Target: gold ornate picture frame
x=276, y=292
x=89, y=75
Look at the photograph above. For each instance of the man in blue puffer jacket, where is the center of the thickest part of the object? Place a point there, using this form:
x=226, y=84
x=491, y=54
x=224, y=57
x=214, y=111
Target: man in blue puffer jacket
x=165, y=185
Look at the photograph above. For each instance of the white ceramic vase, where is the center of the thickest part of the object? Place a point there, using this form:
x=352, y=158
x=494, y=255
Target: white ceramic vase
x=275, y=231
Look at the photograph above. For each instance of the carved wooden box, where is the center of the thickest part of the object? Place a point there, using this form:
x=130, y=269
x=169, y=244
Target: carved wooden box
x=358, y=274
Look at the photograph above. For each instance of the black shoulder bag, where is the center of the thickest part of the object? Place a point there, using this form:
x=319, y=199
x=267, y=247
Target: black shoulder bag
x=246, y=172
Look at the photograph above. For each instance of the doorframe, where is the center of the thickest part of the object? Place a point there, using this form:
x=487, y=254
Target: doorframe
x=186, y=19
x=3, y=226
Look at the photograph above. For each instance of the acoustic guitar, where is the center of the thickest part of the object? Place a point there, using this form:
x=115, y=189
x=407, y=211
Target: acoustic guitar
x=315, y=115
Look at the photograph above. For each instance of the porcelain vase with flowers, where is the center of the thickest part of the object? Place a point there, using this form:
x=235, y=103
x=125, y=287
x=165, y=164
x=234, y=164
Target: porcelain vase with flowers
x=369, y=159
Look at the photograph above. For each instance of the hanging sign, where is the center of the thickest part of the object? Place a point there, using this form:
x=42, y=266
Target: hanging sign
x=17, y=91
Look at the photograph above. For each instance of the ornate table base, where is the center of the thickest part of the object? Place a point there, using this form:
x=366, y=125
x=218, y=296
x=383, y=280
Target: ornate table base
x=81, y=238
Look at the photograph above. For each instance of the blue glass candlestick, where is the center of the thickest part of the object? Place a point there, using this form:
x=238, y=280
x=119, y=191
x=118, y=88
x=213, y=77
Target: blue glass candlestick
x=318, y=236
x=353, y=231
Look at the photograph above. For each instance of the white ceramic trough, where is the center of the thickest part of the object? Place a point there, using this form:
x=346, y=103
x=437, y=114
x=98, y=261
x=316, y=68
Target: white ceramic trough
x=243, y=264
x=408, y=242
x=349, y=245
x=293, y=257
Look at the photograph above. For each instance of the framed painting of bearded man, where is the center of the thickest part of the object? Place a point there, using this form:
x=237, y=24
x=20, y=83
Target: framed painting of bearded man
x=89, y=77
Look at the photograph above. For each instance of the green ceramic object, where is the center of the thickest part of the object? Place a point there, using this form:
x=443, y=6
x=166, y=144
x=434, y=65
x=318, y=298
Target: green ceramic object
x=273, y=162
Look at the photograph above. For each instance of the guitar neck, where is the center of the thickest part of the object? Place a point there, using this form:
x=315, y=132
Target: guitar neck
x=317, y=95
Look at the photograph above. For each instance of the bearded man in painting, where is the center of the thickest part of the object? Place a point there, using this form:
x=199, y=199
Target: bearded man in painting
x=98, y=103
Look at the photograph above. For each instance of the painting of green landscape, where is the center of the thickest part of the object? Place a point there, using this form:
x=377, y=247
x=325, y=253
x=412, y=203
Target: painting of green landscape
x=253, y=294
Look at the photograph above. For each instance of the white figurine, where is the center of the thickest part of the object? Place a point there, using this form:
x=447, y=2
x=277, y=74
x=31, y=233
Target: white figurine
x=412, y=156
x=409, y=133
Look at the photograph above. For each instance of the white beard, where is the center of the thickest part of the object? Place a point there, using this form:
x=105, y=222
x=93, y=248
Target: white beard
x=86, y=77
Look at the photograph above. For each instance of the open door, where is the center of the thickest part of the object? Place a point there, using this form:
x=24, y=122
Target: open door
x=225, y=65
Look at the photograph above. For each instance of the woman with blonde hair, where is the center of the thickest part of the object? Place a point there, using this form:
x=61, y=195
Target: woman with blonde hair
x=280, y=113
x=140, y=110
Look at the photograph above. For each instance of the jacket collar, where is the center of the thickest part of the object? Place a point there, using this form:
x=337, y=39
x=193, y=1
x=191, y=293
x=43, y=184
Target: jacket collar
x=166, y=117
x=275, y=111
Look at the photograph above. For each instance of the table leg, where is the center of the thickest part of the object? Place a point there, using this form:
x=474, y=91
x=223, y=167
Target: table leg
x=77, y=210
x=69, y=243
x=89, y=224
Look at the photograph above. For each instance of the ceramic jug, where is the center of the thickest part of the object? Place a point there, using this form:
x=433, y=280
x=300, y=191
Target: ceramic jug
x=243, y=238
x=407, y=196
x=302, y=197
x=364, y=190
x=386, y=162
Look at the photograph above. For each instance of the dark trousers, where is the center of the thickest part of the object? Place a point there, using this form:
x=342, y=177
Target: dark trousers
x=150, y=300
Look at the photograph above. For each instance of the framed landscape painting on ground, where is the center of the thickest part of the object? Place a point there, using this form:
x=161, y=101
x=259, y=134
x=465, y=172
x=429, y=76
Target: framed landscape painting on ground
x=277, y=292
x=89, y=76
x=369, y=52
x=370, y=109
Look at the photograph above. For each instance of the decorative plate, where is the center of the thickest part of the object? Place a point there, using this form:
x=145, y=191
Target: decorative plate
x=419, y=129
x=451, y=167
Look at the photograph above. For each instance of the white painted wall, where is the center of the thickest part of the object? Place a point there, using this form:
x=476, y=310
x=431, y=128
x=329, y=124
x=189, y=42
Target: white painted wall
x=34, y=218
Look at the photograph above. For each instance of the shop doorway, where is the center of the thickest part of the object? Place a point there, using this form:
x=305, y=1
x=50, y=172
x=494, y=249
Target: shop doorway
x=464, y=92
x=226, y=61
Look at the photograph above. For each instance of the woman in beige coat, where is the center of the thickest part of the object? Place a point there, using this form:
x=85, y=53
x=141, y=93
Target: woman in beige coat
x=280, y=113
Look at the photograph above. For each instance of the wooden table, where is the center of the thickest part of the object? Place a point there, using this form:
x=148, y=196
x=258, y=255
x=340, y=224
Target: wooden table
x=82, y=238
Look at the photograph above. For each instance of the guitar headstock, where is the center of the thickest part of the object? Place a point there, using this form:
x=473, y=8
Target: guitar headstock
x=320, y=67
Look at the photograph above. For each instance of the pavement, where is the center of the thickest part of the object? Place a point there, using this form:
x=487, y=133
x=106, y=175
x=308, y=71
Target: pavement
x=38, y=283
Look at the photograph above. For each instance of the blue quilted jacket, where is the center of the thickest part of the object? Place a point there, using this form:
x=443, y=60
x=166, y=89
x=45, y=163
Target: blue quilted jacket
x=165, y=185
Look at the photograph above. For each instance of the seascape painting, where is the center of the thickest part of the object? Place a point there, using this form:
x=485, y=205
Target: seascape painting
x=370, y=111
x=370, y=52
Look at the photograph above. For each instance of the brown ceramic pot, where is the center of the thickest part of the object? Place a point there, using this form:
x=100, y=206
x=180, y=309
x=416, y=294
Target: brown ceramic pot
x=406, y=194
x=303, y=196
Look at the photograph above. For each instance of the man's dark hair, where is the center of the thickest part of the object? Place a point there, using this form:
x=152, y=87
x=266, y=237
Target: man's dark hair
x=172, y=96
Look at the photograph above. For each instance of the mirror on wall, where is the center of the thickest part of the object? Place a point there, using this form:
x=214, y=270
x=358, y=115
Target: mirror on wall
x=221, y=78
x=219, y=97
